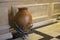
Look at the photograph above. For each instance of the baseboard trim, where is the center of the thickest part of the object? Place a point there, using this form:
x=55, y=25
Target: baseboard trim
x=39, y=24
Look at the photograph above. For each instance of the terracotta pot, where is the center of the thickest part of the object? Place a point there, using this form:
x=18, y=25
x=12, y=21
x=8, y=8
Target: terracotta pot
x=23, y=19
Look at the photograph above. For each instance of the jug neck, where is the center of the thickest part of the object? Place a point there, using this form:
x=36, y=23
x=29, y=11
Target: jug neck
x=22, y=9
